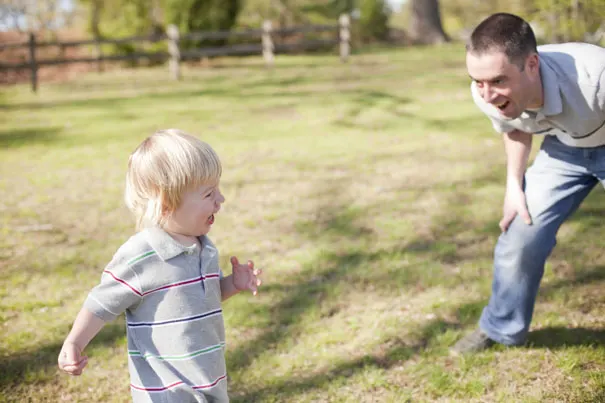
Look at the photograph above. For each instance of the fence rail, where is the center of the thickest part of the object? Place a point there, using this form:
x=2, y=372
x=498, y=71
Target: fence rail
x=175, y=54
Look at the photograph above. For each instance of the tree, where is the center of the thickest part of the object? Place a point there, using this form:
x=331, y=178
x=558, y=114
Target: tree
x=202, y=15
x=374, y=20
x=567, y=20
x=552, y=20
x=96, y=7
x=425, y=27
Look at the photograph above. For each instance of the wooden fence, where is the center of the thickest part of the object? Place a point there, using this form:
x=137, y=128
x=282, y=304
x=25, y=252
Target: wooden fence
x=264, y=37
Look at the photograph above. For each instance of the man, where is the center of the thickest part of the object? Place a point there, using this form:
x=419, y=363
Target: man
x=557, y=91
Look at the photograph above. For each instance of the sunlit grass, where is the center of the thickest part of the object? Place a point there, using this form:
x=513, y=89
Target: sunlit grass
x=369, y=192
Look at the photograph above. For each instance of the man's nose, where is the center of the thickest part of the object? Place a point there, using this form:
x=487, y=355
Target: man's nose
x=488, y=93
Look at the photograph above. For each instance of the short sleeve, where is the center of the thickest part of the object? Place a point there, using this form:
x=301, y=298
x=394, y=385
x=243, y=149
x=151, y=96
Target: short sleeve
x=601, y=91
x=499, y=125
x=118, y=290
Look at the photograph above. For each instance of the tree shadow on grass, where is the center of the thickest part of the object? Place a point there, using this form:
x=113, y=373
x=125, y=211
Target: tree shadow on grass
x=400, y=352
x=16, y=368
x=314, y=287
x=367, y=102
x=267, y=85
x=16, y=138
x=115, y=103
x=386, y=359
x=560, y=337
x=335, y=221
x=588, y=275
x=318, y=286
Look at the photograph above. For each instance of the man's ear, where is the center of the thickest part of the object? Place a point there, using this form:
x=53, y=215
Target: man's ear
x=532, y=63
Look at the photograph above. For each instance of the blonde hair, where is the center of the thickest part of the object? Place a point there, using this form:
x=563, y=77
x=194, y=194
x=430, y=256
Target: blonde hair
x=161, y=169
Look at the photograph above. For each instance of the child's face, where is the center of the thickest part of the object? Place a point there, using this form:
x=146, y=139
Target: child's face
x=195, y=215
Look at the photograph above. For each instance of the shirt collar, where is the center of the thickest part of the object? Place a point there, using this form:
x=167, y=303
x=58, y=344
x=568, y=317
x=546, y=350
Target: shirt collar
x=553, y=104
x=167, y=247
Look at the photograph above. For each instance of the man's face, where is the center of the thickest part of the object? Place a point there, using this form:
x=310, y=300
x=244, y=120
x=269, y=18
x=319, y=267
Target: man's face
x=505, y=85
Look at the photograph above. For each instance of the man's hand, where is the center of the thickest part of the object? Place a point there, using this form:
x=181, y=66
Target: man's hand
x=71, y=360
x=245, y=276
x=514, y=203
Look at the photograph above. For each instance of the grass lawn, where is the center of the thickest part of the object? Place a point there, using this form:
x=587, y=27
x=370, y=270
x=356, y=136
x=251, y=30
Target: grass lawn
x=369, y=193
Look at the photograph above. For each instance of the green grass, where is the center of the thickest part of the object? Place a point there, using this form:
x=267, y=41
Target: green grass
x=369, y=193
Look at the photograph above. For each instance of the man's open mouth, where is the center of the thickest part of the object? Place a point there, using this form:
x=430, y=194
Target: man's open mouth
x=502, y=105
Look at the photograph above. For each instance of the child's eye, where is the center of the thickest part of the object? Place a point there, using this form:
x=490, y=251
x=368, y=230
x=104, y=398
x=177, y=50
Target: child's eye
x=209, y=194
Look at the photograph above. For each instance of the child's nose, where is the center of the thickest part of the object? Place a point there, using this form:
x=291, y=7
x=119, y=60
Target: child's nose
x=220, y=198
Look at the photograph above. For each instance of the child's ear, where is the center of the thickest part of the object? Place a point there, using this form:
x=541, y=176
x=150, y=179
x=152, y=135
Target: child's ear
x=165, y=211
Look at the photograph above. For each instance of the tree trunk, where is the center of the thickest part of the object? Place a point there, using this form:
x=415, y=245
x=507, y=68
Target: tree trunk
x=426, y=25
x=156, y=16
x=96, y=7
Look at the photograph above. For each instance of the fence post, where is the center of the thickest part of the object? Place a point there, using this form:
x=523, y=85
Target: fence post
x=99, y=55
x=267, y=43
x=344, y=34
x=32, y=61
x=173, y=49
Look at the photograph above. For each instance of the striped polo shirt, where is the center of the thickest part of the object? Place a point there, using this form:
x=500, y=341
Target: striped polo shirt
x=573, y=80
x=171, y=297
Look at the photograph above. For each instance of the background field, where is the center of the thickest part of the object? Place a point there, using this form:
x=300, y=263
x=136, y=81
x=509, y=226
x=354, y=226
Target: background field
x=368, y=192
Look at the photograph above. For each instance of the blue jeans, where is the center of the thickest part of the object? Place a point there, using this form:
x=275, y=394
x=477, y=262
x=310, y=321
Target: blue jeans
x=555, y=185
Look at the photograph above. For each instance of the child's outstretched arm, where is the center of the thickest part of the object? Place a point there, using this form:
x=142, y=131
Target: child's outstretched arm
x=85, y=328
x=244, y=277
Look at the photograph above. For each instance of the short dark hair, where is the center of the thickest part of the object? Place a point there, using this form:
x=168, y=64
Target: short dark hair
x=503, y=32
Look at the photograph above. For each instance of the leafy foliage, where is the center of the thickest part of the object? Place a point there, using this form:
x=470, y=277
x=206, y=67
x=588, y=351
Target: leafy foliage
x=202, y=15
x=553, y=20
x=374, y=19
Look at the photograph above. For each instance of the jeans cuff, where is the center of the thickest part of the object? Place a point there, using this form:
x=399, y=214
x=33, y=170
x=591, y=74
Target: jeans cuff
x=502, y=339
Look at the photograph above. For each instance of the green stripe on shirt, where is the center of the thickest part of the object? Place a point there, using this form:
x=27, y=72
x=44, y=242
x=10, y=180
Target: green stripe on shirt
x=177, y=357
x=140, y=257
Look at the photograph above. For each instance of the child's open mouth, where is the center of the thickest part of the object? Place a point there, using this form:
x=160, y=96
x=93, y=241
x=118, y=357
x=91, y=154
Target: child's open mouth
x=211, y=219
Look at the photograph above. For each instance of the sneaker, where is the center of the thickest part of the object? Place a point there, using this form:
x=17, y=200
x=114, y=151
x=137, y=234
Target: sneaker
x=472, y=343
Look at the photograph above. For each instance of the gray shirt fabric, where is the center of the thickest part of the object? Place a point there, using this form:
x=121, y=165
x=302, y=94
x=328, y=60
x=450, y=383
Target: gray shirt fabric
x=573, y=79
x=172, y=299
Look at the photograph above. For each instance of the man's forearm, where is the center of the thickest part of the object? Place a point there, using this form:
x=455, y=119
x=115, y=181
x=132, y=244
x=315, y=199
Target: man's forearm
x=517, y=145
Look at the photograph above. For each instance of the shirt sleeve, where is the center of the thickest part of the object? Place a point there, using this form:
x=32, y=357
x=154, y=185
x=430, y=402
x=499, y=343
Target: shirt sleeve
x=499, y=125
x=601, y=91
x=118, y=290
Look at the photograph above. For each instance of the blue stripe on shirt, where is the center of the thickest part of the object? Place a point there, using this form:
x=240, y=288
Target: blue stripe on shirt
x=168, y=322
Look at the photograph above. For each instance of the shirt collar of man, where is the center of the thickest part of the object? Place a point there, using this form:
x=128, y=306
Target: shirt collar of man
x=553, y=104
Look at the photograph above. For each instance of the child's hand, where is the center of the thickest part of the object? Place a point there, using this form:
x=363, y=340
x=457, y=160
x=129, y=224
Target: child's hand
x=245, y=276
x=71, y=360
